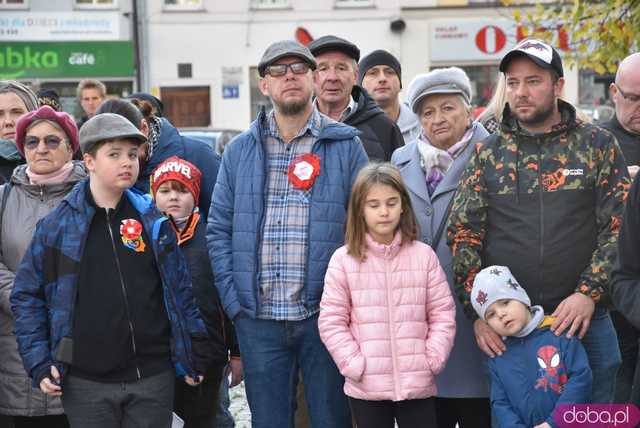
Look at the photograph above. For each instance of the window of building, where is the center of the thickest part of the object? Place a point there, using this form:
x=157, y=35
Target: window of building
x=14, y=4
x=354, y=3
x=270, y=4
x=187, y=106
x=257, y=99
x=183, y=5
x=95, y=4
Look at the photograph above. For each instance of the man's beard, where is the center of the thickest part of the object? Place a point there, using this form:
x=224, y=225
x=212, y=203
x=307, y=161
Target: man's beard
x=291, y=108
x=537, y=116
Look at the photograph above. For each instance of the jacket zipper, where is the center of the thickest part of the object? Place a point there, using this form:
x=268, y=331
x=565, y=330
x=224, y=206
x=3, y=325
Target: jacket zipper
x=541, y=191
x=391, y=322
x=172, y=302
x=124, y=294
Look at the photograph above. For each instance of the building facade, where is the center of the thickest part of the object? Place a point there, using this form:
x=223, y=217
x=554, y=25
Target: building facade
x=202, y=54
x=53, y=44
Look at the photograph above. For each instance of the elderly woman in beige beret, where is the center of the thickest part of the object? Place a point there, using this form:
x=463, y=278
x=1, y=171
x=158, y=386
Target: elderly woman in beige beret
x=431, y=166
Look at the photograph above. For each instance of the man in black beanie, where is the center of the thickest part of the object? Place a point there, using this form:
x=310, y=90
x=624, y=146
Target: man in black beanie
x=339, y=97
x=380, y=74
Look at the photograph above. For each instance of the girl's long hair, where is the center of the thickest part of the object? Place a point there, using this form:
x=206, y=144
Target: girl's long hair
x=387, y=175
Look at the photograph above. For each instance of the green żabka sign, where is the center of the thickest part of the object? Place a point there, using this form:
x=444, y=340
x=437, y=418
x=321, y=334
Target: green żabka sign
x=24, y=60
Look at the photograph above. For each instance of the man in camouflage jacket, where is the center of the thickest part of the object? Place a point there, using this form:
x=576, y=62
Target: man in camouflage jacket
x=544, y=196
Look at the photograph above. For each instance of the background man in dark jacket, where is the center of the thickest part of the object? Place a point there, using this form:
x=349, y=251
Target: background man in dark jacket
x=625, y=126
x=544, y=196
x=338, y=96
x=380, y=74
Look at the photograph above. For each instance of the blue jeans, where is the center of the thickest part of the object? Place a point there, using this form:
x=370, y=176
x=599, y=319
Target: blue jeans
x=224, y=418
x=601, y=345
x=271, y=352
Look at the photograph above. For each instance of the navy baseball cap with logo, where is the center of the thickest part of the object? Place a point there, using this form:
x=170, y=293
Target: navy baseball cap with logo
x=541, y=53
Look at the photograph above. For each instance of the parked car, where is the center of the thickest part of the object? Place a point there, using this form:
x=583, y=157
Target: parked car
x=216, y=138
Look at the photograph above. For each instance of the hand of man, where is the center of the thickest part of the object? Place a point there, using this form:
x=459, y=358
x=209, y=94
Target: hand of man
x=193, y=382
x=633, y=170
x=488, y=340
x=237, y=374
x=574, y=312
x=52, y=388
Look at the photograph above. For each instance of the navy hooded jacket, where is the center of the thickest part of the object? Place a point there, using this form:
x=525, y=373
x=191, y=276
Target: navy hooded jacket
x=536, y=374
x=44, y=291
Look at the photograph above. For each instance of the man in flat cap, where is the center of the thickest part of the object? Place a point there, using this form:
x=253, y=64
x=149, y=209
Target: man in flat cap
x=544, y=196
x=380, y=74
x=338, y=96
x=278, y=214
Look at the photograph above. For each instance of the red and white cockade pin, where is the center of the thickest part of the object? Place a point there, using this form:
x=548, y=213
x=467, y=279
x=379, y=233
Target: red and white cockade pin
x=131, y=235
x=303, y=170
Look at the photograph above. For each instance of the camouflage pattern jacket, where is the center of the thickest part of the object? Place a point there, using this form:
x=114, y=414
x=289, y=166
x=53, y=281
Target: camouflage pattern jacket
x=548, y=206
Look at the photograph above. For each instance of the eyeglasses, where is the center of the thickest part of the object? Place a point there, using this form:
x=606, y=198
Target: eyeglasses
x=51, y=141
x=278, y=70
x=632, y=98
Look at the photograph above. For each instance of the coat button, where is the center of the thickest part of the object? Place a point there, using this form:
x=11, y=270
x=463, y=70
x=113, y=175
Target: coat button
x=429, y=211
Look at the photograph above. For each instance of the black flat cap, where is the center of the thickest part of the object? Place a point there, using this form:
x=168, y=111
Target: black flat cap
x=333, y=43
x=283, y=49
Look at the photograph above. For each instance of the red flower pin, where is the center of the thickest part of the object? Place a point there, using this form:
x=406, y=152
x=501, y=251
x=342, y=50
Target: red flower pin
x=130, y=229
x=303, y=171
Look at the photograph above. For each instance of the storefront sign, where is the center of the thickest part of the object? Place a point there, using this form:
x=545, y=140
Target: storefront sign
x=47, y=26
x=478, y=40
x=471, y=40
x=23, y=60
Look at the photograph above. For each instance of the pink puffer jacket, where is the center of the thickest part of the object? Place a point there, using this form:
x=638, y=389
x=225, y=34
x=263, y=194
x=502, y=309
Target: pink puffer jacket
x=388, y=322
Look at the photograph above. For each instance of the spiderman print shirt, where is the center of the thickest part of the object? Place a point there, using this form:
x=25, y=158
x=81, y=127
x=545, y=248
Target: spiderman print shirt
x=537, y=373
x=546, y=205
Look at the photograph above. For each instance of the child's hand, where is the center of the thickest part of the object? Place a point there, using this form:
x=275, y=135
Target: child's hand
x=237, y=374
x=52, y=387
x=543, y=425
x=193, y=382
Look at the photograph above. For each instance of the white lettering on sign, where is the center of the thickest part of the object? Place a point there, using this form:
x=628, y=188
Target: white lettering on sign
x=82, y=58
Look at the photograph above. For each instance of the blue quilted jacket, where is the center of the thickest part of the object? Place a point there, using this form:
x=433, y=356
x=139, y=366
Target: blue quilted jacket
x=234, y=230
x=44, y=290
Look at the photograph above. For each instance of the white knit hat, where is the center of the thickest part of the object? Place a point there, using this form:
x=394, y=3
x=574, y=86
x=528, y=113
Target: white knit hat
x=495, y=283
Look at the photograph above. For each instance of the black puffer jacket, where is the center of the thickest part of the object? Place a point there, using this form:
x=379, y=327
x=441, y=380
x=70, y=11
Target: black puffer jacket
x=628, y=142
x=222, y=338
x=380, y=136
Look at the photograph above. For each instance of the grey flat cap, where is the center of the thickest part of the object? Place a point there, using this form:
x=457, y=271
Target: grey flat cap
x=452, y=80
x=283, y=49
x=334, y=43
x=108, y=126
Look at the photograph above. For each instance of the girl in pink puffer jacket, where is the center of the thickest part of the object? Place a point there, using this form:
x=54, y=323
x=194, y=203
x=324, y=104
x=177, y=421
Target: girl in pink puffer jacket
x=386, y=316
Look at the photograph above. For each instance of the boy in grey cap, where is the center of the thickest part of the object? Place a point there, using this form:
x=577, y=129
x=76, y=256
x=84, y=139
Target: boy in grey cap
x=105, y=293
x=539, y=371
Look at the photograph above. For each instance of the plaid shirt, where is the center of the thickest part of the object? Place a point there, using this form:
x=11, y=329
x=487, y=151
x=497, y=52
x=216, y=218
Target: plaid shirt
x=285, y=240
